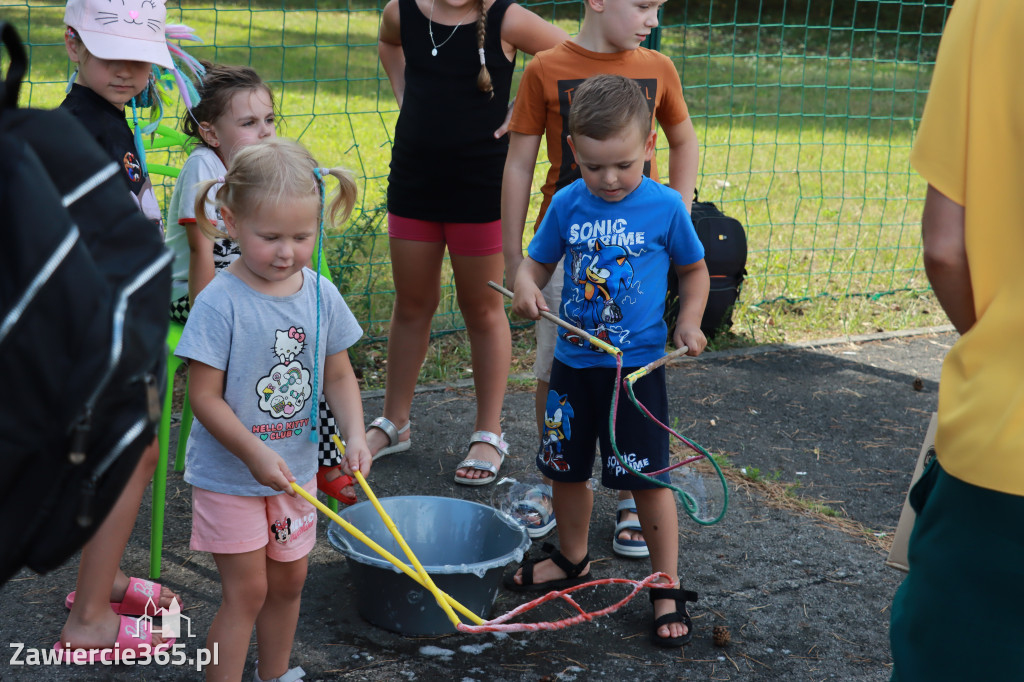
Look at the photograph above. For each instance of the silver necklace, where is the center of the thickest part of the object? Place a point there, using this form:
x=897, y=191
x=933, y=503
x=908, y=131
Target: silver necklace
x=430, y=28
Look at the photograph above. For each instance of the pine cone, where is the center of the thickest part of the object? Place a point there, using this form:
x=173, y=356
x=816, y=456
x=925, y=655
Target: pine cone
x=720, y=635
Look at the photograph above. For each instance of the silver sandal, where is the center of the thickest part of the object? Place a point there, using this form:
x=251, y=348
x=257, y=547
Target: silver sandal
x=495, y=441
x=394, y=445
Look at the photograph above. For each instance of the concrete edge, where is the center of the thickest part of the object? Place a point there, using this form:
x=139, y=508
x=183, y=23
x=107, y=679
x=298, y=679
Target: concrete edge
x=727, y=353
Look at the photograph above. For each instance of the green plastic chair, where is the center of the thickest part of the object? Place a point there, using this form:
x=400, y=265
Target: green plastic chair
x=156, y=536
x=164, y=138
x=170, y=139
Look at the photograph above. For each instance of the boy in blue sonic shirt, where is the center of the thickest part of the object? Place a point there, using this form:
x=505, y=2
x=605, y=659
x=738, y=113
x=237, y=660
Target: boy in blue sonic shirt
x=619, y=232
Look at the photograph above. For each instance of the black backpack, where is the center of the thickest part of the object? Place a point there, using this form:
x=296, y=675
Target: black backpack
x=83, y=329
x=725, y=253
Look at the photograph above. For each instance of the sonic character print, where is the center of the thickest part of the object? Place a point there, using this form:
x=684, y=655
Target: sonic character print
x=557, y=427
x=602, y=278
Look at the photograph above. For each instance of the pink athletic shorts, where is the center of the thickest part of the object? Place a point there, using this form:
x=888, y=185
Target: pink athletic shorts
x=463, y=239
x=233, y=524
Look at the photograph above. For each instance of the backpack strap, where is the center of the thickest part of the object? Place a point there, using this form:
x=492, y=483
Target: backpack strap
x=10, y=86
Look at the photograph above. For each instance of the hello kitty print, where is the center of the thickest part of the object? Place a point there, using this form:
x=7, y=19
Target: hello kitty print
x=286, y=387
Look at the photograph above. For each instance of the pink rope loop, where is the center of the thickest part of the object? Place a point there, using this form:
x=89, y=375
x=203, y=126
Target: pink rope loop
x=501, y=624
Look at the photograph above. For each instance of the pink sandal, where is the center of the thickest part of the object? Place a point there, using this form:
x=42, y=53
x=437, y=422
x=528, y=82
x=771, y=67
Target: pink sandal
x=142, y=598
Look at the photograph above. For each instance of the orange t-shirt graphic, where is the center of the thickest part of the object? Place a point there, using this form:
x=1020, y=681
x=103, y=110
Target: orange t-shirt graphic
x=546, y=90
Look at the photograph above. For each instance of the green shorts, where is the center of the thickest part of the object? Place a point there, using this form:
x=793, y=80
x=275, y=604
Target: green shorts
x=957, y=615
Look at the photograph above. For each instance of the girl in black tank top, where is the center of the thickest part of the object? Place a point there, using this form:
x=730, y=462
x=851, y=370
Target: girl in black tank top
x=450, y=64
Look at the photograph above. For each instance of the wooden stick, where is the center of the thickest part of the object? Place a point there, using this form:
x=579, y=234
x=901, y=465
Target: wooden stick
x=651, y=366
x=603, y=345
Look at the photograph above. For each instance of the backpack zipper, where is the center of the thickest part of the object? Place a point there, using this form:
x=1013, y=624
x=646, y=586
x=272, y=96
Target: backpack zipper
x=88, y=493
x=84, y=423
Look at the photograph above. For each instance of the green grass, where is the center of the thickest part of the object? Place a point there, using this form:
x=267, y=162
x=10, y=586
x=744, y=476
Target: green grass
x=805, y=124
x=722, y=460
x=757, y=476
x=448, y=360
x=809, y=504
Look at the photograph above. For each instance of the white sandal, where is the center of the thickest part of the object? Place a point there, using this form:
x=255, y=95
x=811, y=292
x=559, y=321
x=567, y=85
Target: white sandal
x=292, y=675
x=633, y=549
x=394, y=445
x=495, y=441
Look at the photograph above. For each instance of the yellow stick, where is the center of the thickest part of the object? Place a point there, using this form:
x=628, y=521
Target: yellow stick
x=651, y=366
x=603, y=345
x=359, y=535
x=427, y=581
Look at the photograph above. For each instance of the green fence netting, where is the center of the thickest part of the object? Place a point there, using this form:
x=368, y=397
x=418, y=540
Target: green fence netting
x=805, y=112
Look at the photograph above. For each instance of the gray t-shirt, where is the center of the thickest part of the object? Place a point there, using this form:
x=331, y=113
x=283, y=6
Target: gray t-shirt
x=264, y=344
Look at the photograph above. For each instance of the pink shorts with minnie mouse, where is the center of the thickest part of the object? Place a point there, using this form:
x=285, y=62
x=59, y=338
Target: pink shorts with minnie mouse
x=233, y=524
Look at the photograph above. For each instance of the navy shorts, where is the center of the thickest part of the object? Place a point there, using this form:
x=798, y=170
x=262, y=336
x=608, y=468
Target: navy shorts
x=576, y=419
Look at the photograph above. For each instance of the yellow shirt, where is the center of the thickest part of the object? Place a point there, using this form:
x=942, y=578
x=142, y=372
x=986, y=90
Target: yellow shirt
x=970, y=147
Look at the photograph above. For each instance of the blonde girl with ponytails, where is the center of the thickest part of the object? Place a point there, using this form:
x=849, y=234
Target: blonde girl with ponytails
x=450, y=64
x=262, y=340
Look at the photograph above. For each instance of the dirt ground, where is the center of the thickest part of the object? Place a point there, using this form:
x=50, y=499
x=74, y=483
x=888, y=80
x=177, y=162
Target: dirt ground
x=804, y=597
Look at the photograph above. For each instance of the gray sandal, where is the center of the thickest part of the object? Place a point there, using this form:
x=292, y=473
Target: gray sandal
x=394, y=445
x=634, y=549
x=495, y=441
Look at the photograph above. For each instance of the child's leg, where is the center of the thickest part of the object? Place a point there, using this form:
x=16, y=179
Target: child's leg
x=249, y=537
x=647, y=444
x=91, y=623
x=567, y=457
x=243, y=580
x=416, y=266
x=276, y=623
x=547, y=334
x=540, y=405
x=573, y=503
x=658, y=516
x=490, y=339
